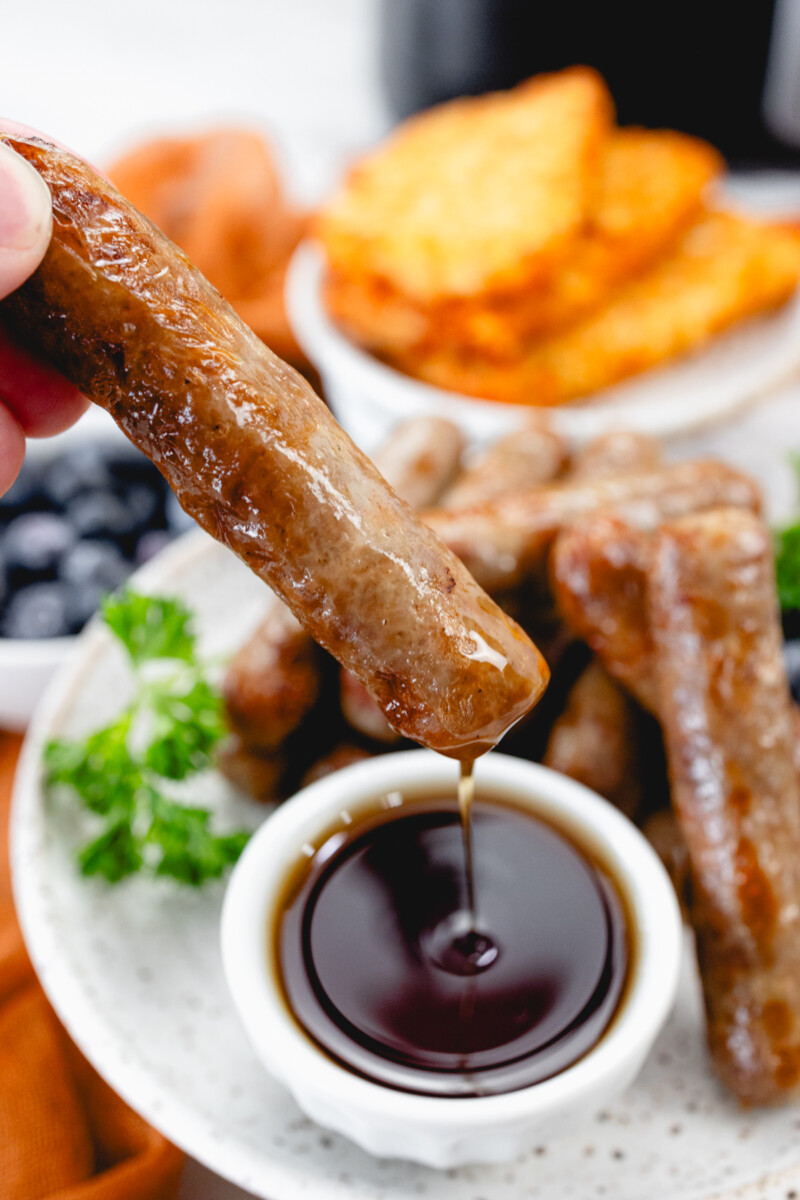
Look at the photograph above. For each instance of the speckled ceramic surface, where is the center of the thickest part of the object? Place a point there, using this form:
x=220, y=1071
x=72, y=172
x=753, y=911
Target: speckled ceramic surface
x=135, y=973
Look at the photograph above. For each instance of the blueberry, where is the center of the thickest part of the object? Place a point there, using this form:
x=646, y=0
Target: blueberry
x=178, y=520
x=791, y=656
x=25, y=494
x=99, y=514
x=145, y=506
x=97, y=563
x=83, y=468
x=33, y=546
x=151, y=543
x=38, y=611
x=89, y=571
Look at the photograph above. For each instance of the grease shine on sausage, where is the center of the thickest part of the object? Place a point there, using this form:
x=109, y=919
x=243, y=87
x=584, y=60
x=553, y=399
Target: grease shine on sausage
x=258, y=460
x=729, y=731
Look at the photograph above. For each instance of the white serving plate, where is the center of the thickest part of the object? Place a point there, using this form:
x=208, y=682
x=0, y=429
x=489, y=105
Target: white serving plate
x=699, y=390
x=135, y=973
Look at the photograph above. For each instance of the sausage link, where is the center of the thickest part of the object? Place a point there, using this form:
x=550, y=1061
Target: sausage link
x=258, y=460
x=599, y=577
x=616, y=453
x=361, y=712
x=507, y=538
x=663, y=832
x=257, y=772
x=594, y=740
x=729, y=731
x=273, y=680
x=534, y=454
x=343, y=755
x=420, y=459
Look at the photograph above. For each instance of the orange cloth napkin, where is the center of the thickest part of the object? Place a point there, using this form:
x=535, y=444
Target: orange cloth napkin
x=64, y=1135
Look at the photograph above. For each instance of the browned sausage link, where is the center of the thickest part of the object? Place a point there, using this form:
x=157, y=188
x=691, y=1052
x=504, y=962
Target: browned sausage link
x=615, y=454
x=599, y=577
x=361, y=712
x=273, y=680
x=257, y=772
x=594, y=740
x=258, y=460
x=663, y=832
x=420, y=459
x=507, y=538
x=531, y=455
x=343, y=755
x=728, y=730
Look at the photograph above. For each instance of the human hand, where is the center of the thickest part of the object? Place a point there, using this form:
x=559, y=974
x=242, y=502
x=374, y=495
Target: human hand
x=35, y=400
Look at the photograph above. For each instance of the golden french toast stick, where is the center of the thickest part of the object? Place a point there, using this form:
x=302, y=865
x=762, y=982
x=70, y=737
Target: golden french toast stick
x=258, y=460
x=729, y=733
x=506, y=539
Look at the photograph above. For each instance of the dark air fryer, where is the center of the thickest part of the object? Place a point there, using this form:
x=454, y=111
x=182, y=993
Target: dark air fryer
x=729, y=73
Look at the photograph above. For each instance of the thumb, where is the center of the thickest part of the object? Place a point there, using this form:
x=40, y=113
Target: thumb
x=25, y=220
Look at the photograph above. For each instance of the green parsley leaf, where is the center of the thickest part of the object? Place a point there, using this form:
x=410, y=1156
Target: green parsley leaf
x=188, y=724
x=190, y=852
x=167, y=733
x=150, y=626
x=787, y=556
x=99, y=768
x=787, y=566
x=114, y=854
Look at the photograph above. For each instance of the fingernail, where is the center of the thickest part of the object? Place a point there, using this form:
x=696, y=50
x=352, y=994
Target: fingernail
x=25, y=210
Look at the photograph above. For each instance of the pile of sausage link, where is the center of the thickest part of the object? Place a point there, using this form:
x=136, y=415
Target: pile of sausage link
x=665, y=573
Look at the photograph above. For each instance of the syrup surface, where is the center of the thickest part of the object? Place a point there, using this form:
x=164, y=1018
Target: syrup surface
x=406, y=975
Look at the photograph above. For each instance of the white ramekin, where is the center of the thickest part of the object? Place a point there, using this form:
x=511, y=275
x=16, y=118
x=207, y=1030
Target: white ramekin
x=437, y=1131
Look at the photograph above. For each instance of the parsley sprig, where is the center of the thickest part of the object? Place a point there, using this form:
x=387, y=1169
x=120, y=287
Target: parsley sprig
x=787, y=557
x=125, y=773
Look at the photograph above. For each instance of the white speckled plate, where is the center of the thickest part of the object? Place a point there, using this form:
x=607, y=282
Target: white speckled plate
x=134, y=972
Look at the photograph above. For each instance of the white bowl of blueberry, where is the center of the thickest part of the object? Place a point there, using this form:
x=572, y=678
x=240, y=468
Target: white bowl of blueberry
x=86, y=510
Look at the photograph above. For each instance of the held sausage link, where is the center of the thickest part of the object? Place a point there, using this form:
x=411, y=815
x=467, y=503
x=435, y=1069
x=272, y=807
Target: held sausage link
x=259, y=461
x=273, y=680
